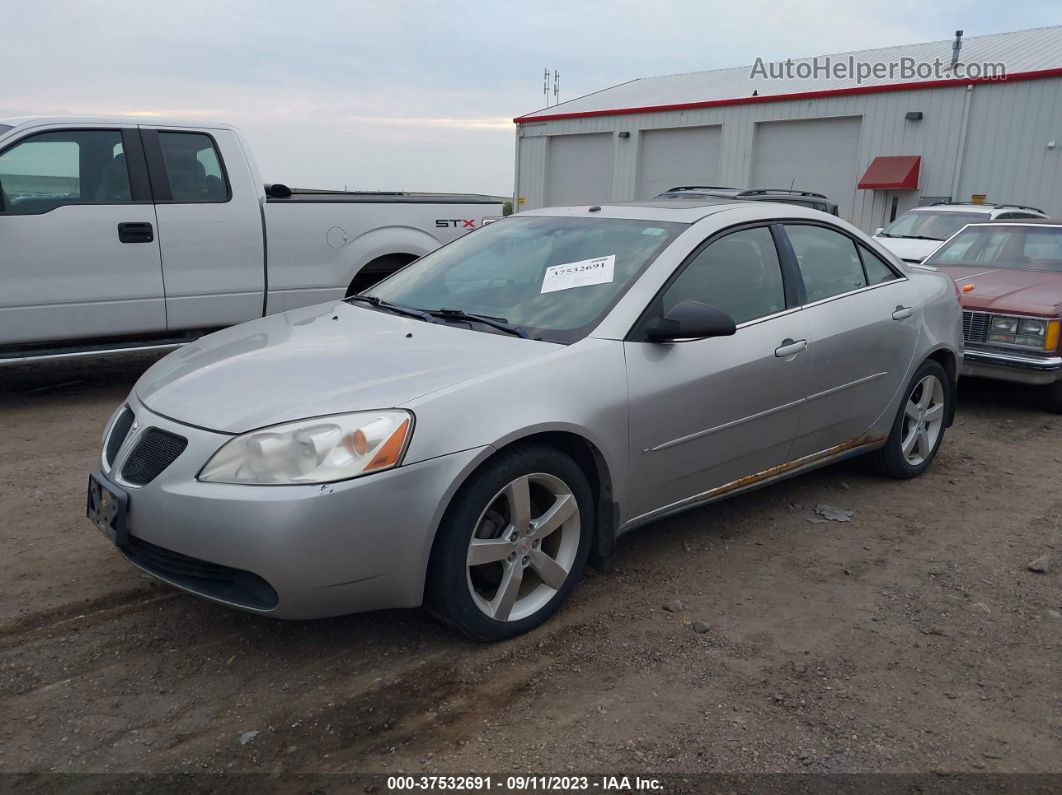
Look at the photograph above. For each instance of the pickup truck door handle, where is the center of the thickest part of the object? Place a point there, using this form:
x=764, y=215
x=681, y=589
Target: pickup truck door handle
x=902, y=313
x=790, y=347
x=135, y=232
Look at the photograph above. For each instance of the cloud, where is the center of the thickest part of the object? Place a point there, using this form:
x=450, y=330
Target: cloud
x=414, y=95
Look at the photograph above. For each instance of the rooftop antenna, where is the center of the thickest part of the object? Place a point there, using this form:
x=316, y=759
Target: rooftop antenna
x=955, y=47
x=556, y=87
x=545, y=85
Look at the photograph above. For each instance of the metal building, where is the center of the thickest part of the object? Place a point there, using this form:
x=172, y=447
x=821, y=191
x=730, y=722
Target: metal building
x=877, y=144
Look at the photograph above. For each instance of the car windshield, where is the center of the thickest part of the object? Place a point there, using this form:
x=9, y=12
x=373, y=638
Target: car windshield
x=938, y=225
x=1034, y=248
x=554, y=277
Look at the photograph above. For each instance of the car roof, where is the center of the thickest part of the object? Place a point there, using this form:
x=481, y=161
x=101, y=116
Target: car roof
x=680, y=210
x=127, y=121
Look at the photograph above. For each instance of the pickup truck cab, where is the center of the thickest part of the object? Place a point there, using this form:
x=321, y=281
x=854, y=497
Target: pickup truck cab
x=118, y=233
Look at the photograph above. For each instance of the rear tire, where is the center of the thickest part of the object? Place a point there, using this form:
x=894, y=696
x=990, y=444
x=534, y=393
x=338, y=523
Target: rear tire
x=512, y=545
x=919, y=426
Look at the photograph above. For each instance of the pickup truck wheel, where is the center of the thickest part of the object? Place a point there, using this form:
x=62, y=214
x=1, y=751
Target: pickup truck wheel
x=1053, y=397
x=377, y=270
x=512, y=545
x=919, y=426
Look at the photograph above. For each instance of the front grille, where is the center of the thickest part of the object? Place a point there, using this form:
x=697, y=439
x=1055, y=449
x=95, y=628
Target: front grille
x=975, y=326
x=119, y=431
x=154, y=451
x=209, y=579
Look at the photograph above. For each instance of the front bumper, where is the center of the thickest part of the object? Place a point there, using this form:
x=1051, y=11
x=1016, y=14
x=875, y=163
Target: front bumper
x=289, y=551
x=1015, y=367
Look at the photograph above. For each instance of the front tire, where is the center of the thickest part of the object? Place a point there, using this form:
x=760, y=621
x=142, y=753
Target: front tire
x=1053, y=397
x=512, y=545
x=919, y=426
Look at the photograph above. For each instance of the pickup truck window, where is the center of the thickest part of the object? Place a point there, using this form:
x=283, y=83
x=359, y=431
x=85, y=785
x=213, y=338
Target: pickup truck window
x=52, y=169
x=193, y=167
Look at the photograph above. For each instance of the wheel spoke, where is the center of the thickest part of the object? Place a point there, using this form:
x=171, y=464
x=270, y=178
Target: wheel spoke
x=487, y=550
x=927, y=392
x=908, y=444
x=911, y=410
x=552, y=573
x=518, y=494
x=559, y=513
x=934, y=413
x=923, y=442
x=509, y=588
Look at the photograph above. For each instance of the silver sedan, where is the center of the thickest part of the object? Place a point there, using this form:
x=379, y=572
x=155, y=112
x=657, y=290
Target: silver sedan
x=473, y=431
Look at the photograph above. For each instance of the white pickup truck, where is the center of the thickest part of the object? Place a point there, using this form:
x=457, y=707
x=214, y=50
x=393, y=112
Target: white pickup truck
x=120, y=233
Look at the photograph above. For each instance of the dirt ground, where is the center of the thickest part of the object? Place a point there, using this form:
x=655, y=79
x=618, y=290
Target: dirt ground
x=911, y=639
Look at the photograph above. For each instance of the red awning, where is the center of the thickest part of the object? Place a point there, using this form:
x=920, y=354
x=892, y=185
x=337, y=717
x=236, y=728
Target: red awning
x=892, y=172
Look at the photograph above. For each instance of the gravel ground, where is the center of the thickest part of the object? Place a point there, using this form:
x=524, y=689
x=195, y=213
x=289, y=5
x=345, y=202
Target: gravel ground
x=913, y=638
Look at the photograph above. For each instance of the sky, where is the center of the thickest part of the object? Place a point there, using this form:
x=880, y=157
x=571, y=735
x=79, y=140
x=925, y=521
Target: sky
x=416, y=94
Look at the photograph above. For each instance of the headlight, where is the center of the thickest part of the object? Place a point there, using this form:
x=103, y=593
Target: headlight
x=1008, y=325
x=318, y=450
x=1034, y=328
x=1028, y=332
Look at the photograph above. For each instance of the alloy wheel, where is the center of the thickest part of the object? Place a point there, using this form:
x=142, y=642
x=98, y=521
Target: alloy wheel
x=923, y=420
x=524, y=546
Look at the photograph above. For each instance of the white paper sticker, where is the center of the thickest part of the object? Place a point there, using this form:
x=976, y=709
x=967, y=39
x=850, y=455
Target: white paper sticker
x=579, y=274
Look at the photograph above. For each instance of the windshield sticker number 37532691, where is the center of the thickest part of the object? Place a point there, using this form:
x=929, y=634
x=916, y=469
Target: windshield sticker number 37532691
x=599, y=270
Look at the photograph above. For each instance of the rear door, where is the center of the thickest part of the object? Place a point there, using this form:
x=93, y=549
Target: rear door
x=704, y=413
x=210, y=227
x=865, y=319
x=79, y=257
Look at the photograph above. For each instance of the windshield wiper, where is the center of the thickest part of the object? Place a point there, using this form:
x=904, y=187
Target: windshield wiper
x=918, y=237
x=499, y=323
x=397, y=309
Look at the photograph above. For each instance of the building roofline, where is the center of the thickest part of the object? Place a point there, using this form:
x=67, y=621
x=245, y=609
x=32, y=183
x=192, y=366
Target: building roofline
x=1041, y=74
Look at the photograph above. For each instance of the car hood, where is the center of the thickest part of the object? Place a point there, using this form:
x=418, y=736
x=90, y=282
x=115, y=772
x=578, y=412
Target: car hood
x=319, y=360
x=1008, y=289
x=909, y=249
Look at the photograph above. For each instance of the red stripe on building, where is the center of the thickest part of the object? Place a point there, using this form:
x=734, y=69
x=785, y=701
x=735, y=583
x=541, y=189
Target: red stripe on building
x=833, y=92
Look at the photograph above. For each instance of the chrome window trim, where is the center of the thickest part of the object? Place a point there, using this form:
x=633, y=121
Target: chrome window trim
x=897, y=280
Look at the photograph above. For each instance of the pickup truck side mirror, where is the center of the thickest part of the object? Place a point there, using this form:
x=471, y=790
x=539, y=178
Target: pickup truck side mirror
x=690, y=320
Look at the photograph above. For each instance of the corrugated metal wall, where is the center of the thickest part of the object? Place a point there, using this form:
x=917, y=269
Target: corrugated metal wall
x=1004, y=152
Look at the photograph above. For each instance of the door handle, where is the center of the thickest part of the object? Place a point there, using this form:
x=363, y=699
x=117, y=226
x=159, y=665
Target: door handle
x=790, y=347
x=135, y=232
x=902, y=313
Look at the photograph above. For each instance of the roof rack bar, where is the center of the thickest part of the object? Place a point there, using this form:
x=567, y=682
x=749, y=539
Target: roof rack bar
x=762, y=191
x=698, y=187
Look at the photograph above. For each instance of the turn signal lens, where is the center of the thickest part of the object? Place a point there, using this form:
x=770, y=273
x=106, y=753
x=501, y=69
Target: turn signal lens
x=1051, y=338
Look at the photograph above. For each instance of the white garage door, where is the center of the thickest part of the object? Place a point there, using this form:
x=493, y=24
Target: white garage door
x=579, y=169
x=811, y=154
x=687, y=156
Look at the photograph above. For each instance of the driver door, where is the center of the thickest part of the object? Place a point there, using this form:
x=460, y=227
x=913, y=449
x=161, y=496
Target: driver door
x=80, y=256
x=705, y=413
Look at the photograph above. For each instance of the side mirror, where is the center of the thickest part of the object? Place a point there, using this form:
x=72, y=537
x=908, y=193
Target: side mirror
x=690, y=320
x=878, y=230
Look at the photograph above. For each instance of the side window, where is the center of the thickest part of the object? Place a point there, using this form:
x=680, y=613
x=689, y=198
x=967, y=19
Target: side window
x=51, y=169
x=739, y=273
x=828, y=261
x=193, y=167
x=874, y=266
